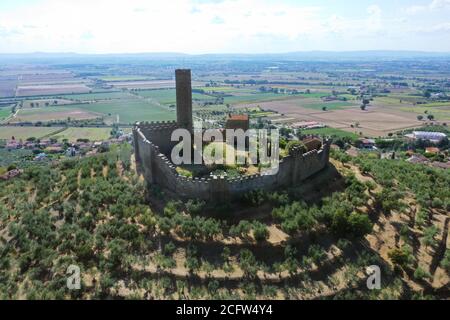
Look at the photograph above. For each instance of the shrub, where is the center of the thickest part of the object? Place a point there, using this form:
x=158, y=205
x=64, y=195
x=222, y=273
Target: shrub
x=421, y=274
x=195, y=206
x=260, y=231
x=445, y=263
x=351, y=225
x=294, y=144
x=401, y=257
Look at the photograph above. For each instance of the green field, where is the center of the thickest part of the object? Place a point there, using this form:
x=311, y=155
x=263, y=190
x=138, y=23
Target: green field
x=168, y=96
x=73, y=134
x=214, y=107
x=439, y=113
x=4, y=112
x=26, y=132
x=163, y=96
x=330, y=132
x=97, y=96
x=46, y=114
x=312, y=95
x=257, y=97
x=228, y=89
x=129, y=111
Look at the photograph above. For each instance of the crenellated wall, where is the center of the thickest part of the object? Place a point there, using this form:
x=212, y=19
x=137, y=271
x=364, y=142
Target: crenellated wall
x=152, y=144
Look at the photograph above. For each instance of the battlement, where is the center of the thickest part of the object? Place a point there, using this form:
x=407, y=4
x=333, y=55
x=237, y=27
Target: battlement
x=156, y=125
x=157, y=168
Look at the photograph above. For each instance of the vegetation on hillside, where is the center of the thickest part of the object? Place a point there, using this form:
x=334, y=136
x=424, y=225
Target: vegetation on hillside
x=94, y=213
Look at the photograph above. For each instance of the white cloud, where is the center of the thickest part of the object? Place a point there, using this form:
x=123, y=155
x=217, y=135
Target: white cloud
x=140, y=25
x=412, y=10
x=439, y=4
x=437, y=28
x=374, y=20
x=432, y=6
x=193, y=26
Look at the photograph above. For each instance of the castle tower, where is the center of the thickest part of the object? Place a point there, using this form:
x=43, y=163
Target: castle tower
x=184, y=98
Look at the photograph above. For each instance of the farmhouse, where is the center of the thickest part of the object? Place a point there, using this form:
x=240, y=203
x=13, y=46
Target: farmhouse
x=367, y=143
x=307, y=125
x=153, y=147
x=238, y=121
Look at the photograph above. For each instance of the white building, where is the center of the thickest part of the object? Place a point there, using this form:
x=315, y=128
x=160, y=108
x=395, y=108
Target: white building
x=427, y=135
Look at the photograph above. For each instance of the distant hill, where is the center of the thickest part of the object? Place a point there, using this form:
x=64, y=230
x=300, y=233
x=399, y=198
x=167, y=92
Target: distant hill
x=69, y=57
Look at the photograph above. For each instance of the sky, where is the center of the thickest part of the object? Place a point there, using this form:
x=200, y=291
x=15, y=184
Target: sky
x=223, y=26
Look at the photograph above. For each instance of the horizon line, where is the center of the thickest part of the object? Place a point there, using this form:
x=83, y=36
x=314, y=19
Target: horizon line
x=223, y=53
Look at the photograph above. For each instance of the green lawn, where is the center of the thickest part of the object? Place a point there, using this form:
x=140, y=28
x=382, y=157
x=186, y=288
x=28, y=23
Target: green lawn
x=330, y=132
x=73, y=134
x=129, y=111
x=26, y=132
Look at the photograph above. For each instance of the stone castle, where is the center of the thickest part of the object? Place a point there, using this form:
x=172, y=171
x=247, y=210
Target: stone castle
x=153, y=146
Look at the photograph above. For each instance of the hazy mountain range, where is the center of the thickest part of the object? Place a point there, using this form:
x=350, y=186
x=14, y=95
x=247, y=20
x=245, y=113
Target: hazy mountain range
x=298, y=56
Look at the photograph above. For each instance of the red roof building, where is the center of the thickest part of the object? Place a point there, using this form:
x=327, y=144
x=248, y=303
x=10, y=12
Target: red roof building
x=238, y=121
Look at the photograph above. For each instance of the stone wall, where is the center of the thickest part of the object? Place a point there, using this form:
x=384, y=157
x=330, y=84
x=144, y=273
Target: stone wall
x=152, y=145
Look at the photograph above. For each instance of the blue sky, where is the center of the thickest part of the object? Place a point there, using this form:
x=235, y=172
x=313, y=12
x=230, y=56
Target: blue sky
x=223, y=26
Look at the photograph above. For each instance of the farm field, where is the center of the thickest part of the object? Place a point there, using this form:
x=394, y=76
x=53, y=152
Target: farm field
x=73, y=134
x=440, y=110
x=50, y=89
x=439, y=113
x=44, y=75
x=229, y=89
x=371, y=123
x=45, y=114
x=330, y=132
x=168, y=96
x=151, y=84
x=97, y=96
x=318, y=105
x=113, y=78
x=257, y=97
x=7, y=87
x=128, y=111
x=45, y=102
x=4, y=112
x=376, y=121
x=156, y=84
x=26, y=132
